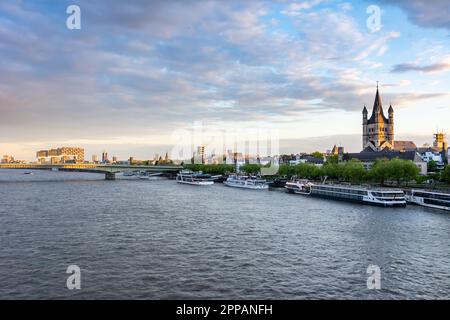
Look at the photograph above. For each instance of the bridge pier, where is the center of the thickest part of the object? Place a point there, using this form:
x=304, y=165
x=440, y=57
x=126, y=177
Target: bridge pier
x=110, y=176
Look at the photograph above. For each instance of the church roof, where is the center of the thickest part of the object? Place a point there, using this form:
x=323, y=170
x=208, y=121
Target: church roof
x=371, y=156
x=377, y=111
x=404, y=145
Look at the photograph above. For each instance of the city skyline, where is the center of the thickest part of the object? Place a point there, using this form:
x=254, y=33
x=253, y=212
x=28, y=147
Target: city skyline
x=137, y=72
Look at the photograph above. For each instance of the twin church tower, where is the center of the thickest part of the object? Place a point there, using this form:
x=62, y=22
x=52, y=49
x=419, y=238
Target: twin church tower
x=378, y=131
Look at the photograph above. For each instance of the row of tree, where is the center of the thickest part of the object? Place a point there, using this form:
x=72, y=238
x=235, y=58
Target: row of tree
x=211, y=168
x=383, y=171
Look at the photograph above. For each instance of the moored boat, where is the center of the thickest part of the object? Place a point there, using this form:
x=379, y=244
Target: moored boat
x=360, y=194
x=430, y=199
x=246, y=182
x=295, y=186
x=194, y=178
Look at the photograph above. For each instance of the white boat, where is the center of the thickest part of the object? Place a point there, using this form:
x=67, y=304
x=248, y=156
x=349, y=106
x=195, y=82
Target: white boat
x=194, y=178
x=296, y=186
x=360, y=194
x=246, y=182
x=430, y=199
x=150, y=176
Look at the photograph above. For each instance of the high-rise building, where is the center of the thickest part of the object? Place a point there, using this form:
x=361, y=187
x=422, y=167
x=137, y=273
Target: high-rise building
x=378, y=131
x=439, y=141
x=104, y=156
x=201, y=153
x=7, y=159
x=114, y=159
x=61, y=155
x=94, y=158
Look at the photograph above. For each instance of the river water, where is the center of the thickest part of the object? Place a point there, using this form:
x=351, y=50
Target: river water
x=161, y=240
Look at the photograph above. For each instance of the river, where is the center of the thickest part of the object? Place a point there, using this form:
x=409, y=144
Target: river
x=137, y=239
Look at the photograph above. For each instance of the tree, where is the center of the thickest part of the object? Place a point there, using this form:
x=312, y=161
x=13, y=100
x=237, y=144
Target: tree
x=211, y=168
x=379, y=171
x=286, y=170
x=333, y=171
x=354, y=171
x=395, y=169
x=446, y=174
x=317, y=154
x=332, y=160
x=432, y=166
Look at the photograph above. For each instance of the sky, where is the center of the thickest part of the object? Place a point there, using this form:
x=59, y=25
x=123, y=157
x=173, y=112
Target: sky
x=140, y=73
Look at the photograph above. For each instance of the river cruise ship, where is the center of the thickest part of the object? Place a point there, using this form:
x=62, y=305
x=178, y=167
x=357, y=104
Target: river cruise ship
x=194, y=178
x=246, y=182
x=431, y=199
x=359, y=194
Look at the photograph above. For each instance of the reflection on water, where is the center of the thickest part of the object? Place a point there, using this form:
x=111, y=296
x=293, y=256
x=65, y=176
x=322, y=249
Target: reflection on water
x=158, y=239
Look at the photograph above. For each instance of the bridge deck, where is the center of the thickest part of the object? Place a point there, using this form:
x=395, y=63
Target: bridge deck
x=90, y=167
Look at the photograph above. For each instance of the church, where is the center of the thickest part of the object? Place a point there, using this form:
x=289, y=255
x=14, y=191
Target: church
x=378, y=131
x=378, y=139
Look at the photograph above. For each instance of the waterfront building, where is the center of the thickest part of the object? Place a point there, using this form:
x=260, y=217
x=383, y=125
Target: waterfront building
x=61, y=155
x=306, y=158
x=7, y=159
x=94, y=158
x=434, y=154
x=378, y=131
x=105, y=157
x=114, y=159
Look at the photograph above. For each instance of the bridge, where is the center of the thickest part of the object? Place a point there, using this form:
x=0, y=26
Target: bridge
x=109, y=170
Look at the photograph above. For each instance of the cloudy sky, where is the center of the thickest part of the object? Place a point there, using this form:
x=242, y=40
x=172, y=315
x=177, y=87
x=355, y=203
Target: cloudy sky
x=137, y=71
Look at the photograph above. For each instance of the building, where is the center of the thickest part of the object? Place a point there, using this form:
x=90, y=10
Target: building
x=404, y=146
x=434, y=154
x=94, y=158
x=378, y=131
x=439, y=141
x=114, y=159
x=305, y=158
x=7, y=159
x=201, y=153
x=104, y=157
x=61, y=155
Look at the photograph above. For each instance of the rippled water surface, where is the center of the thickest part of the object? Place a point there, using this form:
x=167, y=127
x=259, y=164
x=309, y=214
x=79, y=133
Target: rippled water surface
x=159, y=240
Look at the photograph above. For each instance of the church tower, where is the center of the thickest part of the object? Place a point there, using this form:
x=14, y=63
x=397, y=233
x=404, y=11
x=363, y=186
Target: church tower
x=378, y=131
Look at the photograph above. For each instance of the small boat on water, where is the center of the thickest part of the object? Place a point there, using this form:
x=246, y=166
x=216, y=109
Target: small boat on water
x=246, y=182
x=150, y=176
x=194, y=178
x=295, y=186
x=359, y=194
x=30, y=173
x=430, y=199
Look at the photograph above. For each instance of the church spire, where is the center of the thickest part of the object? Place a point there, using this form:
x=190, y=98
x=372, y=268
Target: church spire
x=377, y=111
